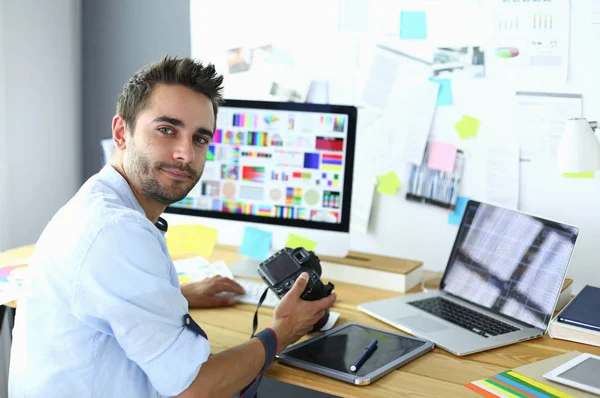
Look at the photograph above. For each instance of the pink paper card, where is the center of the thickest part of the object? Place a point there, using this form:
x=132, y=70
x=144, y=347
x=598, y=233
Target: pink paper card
x=442, y=156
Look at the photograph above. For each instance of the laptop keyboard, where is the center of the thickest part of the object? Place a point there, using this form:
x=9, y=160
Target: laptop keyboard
x=464, y=317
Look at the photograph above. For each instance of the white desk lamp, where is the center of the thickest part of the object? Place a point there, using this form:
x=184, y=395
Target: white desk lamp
x=579, y=147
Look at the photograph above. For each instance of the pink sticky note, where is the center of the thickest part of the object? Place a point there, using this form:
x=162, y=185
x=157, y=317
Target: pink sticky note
x=442, y=156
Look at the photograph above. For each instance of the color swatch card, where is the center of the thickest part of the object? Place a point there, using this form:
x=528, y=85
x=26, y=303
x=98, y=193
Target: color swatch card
x=295, y=241
x=442, y=156
x=513, y=384
x=256, y=243
x=191, y=239
x=11, y=279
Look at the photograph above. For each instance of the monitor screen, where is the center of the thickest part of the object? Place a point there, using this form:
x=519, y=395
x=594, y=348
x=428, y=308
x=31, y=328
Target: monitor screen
x=509, y=262
x=278, y=163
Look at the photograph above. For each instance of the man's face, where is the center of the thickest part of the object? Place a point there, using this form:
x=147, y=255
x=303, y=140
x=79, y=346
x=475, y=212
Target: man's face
x=165, y=157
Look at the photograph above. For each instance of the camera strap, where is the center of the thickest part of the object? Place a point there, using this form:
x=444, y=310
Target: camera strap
x=251, y=390
x=255, y=321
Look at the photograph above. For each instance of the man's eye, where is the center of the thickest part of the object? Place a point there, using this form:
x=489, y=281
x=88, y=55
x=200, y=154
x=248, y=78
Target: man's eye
x=165, y=130
x=202, y=140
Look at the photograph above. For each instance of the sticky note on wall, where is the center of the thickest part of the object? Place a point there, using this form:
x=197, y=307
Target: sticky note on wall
x=459, y=210
x=191, y=239
x=442, y=156
x=388, y=184
x=295, y=241
x=256, y=243
x=468, y=127
x=413, y=25
x=444, y=97
x=586, y=174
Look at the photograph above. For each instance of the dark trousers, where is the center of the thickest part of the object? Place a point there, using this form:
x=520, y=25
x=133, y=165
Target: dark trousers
x=7, y=320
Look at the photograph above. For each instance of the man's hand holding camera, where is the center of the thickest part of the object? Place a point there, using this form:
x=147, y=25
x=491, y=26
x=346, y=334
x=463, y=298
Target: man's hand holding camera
x=295, y=317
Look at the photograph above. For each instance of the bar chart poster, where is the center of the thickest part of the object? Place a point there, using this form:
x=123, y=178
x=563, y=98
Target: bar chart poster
x=529, y=41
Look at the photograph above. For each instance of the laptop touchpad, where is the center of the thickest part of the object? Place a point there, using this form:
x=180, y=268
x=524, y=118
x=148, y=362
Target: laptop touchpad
x=421, y=323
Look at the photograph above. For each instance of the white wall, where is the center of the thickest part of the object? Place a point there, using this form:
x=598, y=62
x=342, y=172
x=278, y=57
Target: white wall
x=42, y=108
x=3, y=135
x=406, y=229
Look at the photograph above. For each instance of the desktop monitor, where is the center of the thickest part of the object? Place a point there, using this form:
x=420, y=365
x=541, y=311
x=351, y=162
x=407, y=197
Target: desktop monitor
x=279, y=166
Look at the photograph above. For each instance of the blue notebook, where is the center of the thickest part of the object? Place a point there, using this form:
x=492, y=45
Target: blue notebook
x=582, y=311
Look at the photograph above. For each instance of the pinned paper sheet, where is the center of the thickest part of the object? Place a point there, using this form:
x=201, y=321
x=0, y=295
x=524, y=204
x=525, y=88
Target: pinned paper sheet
x=445, y=94
x=502, y=180
x=586, y=174
x=413, y=25
x=191, y=239
x=467, y=127
x=363, y=191
x=461, y=205
x=442, y=156
x=295, y=241
x=388, y=183
x=256, y=243
x=197, y=268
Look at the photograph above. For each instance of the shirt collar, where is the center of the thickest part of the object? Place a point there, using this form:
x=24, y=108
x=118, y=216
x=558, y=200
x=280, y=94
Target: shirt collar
x=121, y=186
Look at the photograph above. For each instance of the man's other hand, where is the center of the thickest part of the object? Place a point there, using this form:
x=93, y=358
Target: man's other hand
x=215, y=291
x=294, y=317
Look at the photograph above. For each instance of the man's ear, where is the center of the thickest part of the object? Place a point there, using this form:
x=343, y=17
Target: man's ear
x=119, y=131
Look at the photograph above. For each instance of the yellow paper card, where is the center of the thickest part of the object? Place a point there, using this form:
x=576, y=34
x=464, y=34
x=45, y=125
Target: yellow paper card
x=191, y=239
x=295, y=241
x=467, y=127
x=388, y=183
x=587, y=174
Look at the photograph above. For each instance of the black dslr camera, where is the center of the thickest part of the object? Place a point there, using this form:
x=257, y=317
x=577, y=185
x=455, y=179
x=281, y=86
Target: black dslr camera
x=281, y=270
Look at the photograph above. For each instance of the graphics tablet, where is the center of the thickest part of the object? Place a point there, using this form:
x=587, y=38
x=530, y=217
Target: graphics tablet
x=580, y=372
x=336, y=351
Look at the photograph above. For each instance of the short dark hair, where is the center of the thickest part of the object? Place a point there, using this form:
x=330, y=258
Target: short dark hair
x=171, y=71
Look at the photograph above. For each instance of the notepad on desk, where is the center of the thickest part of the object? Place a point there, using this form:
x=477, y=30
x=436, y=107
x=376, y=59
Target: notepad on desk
x=579, y=321
x=373, y=270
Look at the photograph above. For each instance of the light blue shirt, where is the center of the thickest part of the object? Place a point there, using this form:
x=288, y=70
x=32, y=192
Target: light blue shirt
x=101, y=313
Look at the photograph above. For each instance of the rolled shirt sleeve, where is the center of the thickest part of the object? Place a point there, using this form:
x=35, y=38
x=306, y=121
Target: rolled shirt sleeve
x=124, y=288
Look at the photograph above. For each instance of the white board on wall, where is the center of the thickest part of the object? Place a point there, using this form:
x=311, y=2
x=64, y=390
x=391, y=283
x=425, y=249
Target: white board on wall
x=411, y=230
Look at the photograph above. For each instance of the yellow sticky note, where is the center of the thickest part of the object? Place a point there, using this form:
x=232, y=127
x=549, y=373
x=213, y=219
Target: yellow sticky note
x=587, y=174
x=467, y=127
x=295, y=241
x=388, y=183
x=191, y=238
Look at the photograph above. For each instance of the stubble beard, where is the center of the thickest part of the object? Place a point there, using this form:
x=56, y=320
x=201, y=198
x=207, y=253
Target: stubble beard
x=151, y=187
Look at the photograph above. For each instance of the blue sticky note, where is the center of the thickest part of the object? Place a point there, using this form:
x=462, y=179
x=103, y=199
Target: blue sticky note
x=413, y=25
x=256, y=243
x=445, y=93
x=456, y=217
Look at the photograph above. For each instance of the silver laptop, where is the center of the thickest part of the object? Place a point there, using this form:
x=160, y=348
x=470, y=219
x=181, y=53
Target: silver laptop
x=501, y=284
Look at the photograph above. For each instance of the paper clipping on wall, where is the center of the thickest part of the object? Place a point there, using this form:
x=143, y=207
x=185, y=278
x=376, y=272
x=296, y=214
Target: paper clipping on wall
x=541, y=119
x=502, y=176
x=362, y=201
x=529, y=41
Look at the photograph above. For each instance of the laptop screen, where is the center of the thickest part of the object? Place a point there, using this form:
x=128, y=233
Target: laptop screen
x=511, y=263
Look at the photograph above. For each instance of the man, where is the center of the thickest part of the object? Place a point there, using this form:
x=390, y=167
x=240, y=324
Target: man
x=102, y=312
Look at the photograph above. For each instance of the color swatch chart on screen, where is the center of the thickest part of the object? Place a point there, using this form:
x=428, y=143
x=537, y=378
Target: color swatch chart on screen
x=274, y=163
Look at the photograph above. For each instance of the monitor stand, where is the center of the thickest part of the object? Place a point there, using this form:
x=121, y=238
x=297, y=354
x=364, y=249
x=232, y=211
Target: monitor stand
x=246, y=267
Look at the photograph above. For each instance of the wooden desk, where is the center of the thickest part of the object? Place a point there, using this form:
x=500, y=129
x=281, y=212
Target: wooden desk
x=437, y=374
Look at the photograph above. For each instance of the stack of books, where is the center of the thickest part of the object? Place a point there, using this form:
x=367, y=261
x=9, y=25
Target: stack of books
x=579, y=321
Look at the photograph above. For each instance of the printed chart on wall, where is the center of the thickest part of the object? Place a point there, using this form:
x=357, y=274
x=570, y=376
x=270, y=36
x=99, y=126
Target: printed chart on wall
x=530, y=40
x=274, y=163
